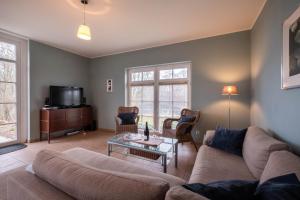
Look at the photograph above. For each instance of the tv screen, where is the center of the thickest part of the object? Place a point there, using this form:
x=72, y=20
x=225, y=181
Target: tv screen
x=66, y=96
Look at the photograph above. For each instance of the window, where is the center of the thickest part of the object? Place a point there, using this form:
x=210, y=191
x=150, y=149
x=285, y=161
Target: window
x=159, y=92
x=13, y=89
x=8, y=107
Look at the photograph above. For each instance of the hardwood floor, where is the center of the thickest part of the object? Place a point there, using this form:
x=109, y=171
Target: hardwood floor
x=96, y=141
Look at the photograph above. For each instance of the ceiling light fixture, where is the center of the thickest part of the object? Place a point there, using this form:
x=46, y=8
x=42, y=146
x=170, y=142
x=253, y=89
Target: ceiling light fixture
x=84, y=31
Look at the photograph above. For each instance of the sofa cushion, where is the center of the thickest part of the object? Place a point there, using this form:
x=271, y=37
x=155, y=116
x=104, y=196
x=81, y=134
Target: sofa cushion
x=85, y=182
x=20, y=184
x=257, y=148
x=26, y=186
x=229, y=140
x=215, y=165
x=180, y=193
x=281, y=163
x=101, y=161
x=225, y=190
x=208, y=136
x=282, y=187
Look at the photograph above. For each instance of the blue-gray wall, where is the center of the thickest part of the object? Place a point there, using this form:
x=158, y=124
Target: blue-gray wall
x=215, y=61
x=273, y=109
x=52, y=66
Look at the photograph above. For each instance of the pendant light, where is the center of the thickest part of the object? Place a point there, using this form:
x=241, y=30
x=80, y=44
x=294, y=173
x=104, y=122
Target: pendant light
x=84, y=31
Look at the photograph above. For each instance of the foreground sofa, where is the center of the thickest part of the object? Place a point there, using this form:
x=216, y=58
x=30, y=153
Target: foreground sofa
x=81, y=174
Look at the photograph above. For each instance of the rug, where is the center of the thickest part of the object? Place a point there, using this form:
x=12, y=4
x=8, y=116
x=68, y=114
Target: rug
x=12, y=148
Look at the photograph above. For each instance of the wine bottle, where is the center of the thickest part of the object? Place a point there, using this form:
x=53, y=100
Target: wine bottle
x=146, y=132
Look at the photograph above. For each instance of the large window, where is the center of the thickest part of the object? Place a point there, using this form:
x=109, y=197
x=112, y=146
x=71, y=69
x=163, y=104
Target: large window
x=159, y=91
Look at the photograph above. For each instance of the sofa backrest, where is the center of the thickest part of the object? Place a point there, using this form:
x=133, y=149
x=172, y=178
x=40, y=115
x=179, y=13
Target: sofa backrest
x=84, y=182
x=257, y=148
x=281, y=163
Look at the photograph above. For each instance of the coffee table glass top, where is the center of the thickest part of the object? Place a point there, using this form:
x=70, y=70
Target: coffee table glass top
x=128, y=140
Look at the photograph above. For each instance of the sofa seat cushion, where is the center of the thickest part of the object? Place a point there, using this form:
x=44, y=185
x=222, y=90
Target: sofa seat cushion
x=101, y=161
x=257, y=148
x=215, y=165
x=281, y=163
x=180, y=193
x=84, y=182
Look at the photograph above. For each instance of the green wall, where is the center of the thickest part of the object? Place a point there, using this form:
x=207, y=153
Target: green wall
x=215, y=61
x=273, y=109
x=52, y=66
x=250, y=59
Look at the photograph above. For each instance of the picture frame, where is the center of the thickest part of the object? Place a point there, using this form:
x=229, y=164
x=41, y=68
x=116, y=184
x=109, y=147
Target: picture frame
x=290, y=69
x=109, y=85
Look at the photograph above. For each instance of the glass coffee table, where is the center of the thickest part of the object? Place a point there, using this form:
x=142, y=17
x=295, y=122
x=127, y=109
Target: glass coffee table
x=162, y=153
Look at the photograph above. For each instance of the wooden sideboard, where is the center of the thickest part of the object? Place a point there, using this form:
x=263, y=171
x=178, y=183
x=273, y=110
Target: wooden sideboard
x=54, y=120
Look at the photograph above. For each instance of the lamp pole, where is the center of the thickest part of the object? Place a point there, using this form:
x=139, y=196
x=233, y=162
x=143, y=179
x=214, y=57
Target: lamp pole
x=229, y=99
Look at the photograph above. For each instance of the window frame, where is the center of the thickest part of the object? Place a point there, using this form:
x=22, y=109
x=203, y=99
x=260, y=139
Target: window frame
x=156, y=82
x=22, y=84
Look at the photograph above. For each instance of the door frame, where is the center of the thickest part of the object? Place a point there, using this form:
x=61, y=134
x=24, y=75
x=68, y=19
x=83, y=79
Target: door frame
x=22, y=85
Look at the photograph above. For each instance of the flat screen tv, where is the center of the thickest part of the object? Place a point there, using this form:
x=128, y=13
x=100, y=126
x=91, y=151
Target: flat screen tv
x=64, y=96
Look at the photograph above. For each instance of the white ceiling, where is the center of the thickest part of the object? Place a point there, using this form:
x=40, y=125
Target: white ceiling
x=125, y=25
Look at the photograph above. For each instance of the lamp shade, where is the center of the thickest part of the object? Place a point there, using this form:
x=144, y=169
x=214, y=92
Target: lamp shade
x=84, y=32
x=230, y=90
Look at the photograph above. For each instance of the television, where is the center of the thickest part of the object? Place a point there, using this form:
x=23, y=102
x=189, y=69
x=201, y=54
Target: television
x=63, y=96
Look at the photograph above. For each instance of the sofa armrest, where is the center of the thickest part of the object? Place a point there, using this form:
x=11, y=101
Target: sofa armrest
x=26, y=186
x=180, y=193
x=208, y=136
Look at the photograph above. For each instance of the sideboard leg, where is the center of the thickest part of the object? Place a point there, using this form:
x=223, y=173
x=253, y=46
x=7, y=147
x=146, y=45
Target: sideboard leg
x=48, y=138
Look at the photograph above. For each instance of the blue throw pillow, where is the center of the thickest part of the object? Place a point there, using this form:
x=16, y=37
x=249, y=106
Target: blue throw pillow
x=229, y=140
x=186, y=119
x=286, y=187
x=127, y=118
x=225, y=190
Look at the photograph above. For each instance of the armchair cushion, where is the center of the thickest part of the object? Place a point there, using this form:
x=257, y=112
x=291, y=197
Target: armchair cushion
x=127, y=118
x=185, y=119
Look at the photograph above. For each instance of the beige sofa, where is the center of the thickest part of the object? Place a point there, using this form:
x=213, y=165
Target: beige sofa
x=82, y=174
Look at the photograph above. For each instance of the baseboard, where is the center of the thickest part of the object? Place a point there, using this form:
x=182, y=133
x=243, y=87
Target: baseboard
x=107, y=130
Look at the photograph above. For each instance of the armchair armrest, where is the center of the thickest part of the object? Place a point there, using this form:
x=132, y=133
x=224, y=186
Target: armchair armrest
x=208, y=136
x=118, y=121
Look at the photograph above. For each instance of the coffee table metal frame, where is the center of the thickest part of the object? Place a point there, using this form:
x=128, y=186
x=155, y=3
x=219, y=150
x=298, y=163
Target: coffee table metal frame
x=169, y=146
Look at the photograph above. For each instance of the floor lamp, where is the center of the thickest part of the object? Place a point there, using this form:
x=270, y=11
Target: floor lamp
x=229, y=90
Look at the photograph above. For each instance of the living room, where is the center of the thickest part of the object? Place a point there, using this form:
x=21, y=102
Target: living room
x=175, y=97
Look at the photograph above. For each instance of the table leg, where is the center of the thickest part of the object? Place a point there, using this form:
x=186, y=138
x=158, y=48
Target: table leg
x=164, y=157
x=176, y=155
